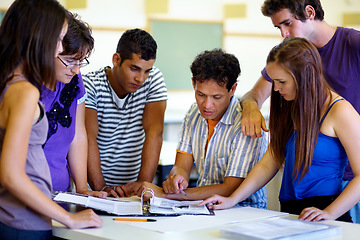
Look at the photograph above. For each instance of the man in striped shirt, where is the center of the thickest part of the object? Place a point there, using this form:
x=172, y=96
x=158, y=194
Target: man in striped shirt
x=211, y=136
x=125, y=117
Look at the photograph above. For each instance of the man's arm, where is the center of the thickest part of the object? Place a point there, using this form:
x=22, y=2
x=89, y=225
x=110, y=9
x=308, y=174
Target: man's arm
x=229, y=185
x=226, y=188
x=95, y=177
x=179, y=175
x=153, y=124
x=252, y=120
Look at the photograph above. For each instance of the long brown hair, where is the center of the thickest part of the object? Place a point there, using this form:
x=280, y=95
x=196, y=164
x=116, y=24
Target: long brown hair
x=302, y=60
x=29, y=33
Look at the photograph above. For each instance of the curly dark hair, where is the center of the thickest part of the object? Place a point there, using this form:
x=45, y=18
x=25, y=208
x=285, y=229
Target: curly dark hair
x=216, y=65
x=136, y=41
x=296, y=7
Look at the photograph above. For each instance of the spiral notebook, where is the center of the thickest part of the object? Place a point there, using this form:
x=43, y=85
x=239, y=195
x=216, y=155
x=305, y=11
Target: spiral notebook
x=134, y=206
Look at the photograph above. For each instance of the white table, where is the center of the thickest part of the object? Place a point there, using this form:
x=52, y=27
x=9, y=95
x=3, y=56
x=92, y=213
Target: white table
x=123, y=230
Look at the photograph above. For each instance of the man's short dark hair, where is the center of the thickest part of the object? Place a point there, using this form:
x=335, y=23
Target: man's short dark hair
x=296, y=7
x=136, y=41
x=216, y=65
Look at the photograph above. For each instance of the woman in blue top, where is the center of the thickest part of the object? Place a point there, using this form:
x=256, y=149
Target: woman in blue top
x=313, y=133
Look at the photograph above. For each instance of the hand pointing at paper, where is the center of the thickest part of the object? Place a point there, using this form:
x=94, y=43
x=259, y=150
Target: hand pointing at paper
x=219, y=202
x=175, y=183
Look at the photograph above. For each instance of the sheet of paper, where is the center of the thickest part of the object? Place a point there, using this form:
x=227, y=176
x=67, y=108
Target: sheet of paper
x=241, y=214
x=167, y=206
x=278, y=228
x=222, y=217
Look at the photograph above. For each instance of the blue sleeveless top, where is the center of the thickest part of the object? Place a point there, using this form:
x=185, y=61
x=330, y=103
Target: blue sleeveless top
x=326, y=171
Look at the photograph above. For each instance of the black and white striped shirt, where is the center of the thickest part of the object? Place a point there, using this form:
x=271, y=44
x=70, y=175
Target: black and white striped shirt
x=121, y=135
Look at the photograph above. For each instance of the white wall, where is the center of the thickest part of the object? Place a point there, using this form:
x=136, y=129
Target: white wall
x=250, y=48
x=250, y=51
x=4, y=4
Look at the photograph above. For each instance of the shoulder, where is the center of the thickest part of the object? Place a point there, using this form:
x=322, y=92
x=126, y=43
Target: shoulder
x=193, y=114
x=193, y=110
x=154, y=87
x=340, y=115
x=349, y=31
x=235, y=106
x=341, y=107
x=99, y=75
x=350, y=36
x=342, y=122
x=155, y=75
x=155, y=71
x=232, y=115
x=95, y=80
x=21, y=95
x=23, y=89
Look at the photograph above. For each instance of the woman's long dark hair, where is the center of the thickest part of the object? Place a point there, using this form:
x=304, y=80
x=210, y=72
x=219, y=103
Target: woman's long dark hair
x=29, y=33
x=302, y=60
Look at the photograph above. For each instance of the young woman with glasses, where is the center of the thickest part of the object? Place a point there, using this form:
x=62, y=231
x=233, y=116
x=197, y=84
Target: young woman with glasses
x=66, y=145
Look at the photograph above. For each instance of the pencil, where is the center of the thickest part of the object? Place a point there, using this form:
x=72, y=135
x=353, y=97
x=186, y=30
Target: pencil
x=182, y=191
x=135, y=219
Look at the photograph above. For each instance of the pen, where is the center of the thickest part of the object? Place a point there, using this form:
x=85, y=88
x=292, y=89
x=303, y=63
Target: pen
x=135, y=219
x=182, y=191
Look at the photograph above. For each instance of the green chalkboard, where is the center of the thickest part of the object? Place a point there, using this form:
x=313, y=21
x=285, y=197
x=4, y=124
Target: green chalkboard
x=178, y=44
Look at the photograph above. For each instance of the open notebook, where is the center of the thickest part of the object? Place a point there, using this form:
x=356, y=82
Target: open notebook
x=134, y=206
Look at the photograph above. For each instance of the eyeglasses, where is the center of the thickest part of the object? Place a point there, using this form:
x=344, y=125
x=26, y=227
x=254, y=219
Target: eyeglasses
x=68, y=65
